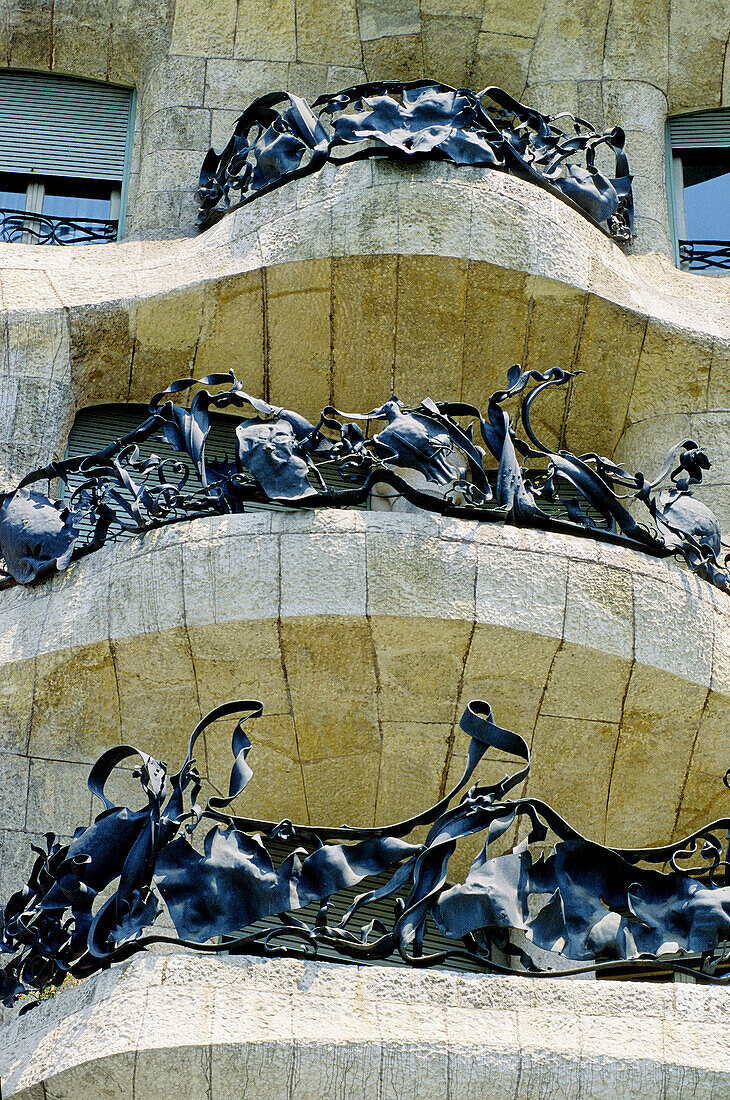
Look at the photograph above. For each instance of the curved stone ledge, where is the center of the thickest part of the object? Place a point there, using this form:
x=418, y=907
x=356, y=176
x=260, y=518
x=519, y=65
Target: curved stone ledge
x=365, y=635
x=284, y=1029
x=430, y=281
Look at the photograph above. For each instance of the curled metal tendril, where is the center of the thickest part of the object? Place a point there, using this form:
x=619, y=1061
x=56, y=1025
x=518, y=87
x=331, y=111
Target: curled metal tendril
x=447, y=457
x=280, y=138
x=579, y=907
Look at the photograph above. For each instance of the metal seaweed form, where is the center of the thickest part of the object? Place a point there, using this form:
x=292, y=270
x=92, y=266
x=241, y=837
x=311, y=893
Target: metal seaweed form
x=280, y=137
x=579, y=907
x=442, y=456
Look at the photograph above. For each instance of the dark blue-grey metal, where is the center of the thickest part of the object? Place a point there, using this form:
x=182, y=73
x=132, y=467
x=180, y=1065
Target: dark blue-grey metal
x=29, y=228
x=443, y=456
x=579, y=907
x=702, y=255
x=280, y=138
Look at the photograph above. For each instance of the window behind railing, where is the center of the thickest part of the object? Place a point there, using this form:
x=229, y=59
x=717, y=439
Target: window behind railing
x=698, y=177
x=64, y=158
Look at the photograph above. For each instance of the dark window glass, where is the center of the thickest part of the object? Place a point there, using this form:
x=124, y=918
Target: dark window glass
x=77, y=199
x=12, y=191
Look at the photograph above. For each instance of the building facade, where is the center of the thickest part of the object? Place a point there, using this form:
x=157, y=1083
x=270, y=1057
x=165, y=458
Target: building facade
x=366, y=632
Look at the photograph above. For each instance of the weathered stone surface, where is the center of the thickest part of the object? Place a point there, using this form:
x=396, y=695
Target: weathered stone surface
x=225, y=1025
x=357, y=630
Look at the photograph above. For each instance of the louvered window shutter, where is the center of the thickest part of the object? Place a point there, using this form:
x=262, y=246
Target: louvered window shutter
x=58, y=126
x=702, y=130
x=97, y=427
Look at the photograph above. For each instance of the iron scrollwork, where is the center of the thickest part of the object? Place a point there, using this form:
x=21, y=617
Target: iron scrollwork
x=577, y=908
x=434, y=456
x=31, y=228
x=280, y=137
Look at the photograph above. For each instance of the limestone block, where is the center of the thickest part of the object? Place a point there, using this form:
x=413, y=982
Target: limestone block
x=396, y=58
x=231, y=582
x=79, y=36
x=58, y=797
x=100, y=352
x=167, y=333
x=206, y=30
x=663, y=638
x=14, y=771
x=430, y=322
x=501, y=17
x=298, y=299
x=332, y=680
x=233, y=84
x=501, y=59
x=322, y=575
x=600, y=414
x=177, y=81
x=494, y=329
x=27, y=36
x=381, y=20
x=327, y=32
x=256, y=673
x=449, y=43
x=637, y=36
x=600, y=607
x=138, y=37
x=668, y=384
x=413, y=762
x=523, y=591
x=177, y=128
x=587, y=684
x=434, y=212
x=158, y=701
x=16, y=705
x=570, y=40
x=370, y=227
x=412, y=655
x=655, y=743
x=64, y=726
x=363, y=322
x=266, y=31
x=697, y=41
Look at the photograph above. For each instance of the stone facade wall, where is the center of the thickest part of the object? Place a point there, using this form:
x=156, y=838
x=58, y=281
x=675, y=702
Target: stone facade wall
x=197, y=64
x=365, y=636
x=302, y=1031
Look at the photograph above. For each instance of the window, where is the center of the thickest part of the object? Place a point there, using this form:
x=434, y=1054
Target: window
x=698, y=178
x=64, y=158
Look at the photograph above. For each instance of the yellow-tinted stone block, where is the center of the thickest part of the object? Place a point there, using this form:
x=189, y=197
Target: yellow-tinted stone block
x=167, y=334
x=232, y=334
x=609, y=350
x=332, y=679
x=266, y=30
x=328, y=32
x=430, y=327
x=65, y=726
x=298, y=331
x=660, y=723
x=448, y=48
x=204, y=29
x=672, y=375
x=363, y=330
x=397, y=58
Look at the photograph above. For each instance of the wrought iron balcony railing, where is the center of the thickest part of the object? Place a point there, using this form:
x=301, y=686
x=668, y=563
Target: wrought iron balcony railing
x=702, y=255
x=21, y=226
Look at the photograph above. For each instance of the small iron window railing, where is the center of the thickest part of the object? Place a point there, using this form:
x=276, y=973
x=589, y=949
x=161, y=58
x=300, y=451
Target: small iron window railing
x=20, y=226
x=704, y=255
